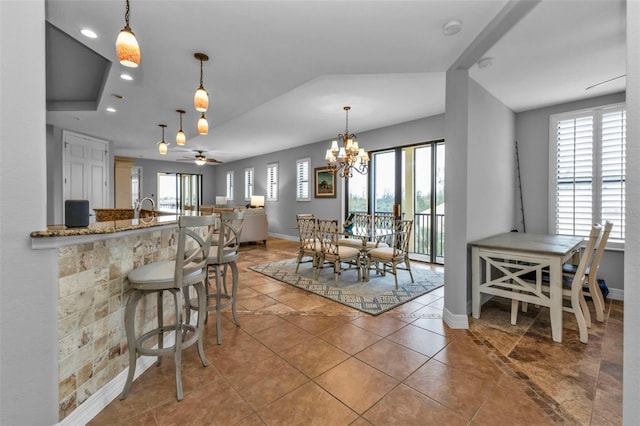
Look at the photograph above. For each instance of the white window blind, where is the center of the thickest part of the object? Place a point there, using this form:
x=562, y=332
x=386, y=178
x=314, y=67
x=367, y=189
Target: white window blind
x=248, y=183
x=613, y=159
x=272, y=182
x=302, y=179
x=574, y=160
x=589, y=169
x=230, y=185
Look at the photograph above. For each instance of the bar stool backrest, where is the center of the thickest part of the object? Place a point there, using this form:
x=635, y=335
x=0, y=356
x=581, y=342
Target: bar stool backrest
x=193, y=248
x=230, y=232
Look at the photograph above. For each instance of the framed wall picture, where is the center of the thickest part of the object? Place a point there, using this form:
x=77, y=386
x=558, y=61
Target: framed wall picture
x=325, y=183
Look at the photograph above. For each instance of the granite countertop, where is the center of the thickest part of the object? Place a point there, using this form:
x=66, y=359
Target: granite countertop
x=105, y=227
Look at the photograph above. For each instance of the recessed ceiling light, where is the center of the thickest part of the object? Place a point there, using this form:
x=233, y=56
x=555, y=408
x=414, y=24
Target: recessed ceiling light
x=452, y=27
x=126, y=77
x=485, y=62
x=110, y=109
x=88, y=33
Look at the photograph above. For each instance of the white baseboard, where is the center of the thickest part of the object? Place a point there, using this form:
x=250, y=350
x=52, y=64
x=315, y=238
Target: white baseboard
x=284, y=237
x=103, y=396
x=455, y=321
x=616, y=294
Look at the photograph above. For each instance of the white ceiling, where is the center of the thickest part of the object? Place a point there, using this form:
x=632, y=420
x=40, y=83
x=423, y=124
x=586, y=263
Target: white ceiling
x=280, y=71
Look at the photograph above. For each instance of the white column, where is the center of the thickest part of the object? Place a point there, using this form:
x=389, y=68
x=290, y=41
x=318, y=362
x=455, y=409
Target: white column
x=631, y=374
x=28, y=278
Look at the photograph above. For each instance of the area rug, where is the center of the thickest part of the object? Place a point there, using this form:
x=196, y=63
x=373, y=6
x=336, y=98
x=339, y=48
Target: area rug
x=374, y=297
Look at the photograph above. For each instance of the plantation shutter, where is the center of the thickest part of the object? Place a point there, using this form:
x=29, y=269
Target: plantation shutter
x=613, y=159
x=302, y=179
x=248, y=183
x=230, y=185
x=272, y=182
x=574, y=175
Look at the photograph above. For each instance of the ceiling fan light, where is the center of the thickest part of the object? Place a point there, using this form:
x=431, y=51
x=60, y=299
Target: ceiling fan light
x=203, y=125
x=201, y=100
x=163, y=147
x=200, y=161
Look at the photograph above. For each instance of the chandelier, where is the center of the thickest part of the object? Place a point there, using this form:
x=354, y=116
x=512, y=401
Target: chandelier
x=344, y=159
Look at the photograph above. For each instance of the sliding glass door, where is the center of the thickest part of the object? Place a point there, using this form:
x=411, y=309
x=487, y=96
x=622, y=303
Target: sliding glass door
x=407, y=183
x=179, y=191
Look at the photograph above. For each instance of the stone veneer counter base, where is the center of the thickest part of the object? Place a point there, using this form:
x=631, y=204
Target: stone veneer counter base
x=93, y=263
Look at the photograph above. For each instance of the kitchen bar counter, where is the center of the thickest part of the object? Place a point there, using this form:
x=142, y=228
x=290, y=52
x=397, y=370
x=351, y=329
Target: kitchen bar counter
x=108, y=227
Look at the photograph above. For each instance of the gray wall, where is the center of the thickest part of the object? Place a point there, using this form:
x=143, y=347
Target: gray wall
x=282, y=213
x=533, y=146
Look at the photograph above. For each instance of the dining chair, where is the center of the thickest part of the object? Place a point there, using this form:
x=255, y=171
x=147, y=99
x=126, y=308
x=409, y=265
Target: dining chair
x=396, y=254
x=383, y=226
x=591, y=274
x=571, y=288
x=333, y=253
x=224, y=254
x=361, y=222
x=189, y=269
x=309, y=244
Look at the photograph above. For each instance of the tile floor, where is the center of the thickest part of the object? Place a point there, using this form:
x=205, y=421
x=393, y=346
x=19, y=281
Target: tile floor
x=301, y=359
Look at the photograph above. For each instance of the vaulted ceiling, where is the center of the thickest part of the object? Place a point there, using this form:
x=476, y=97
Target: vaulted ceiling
x=280, y=71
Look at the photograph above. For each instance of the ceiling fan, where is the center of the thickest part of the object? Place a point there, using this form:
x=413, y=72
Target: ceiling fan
x=200, y=159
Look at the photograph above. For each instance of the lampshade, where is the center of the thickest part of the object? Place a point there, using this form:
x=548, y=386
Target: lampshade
x=203, y=125
x=163, y=147
x=201, y=99
x=181, y=138
x=221, y=201
x=127, y=46
x=257, y=201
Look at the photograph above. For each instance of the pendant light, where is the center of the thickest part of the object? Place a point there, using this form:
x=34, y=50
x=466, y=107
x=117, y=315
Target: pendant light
x=181, y=138
x=127, y=45
x=162, y=145
x=201, y=98
x=203, y=125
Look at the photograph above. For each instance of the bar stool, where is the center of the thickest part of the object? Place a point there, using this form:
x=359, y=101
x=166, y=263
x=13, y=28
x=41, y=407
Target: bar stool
x=175, y=276
x=222, y=254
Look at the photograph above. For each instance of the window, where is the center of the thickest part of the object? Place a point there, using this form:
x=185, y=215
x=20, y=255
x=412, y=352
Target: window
x=248, y=183
x=588, y=163
x=272, y=182
x=230, y=185
x=302, y=179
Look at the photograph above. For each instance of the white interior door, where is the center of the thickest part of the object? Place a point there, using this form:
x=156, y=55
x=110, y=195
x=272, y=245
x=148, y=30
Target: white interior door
x=85, y=170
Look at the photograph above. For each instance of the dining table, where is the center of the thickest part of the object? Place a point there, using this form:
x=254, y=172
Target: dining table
x=513, y=264
x=366, y=235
